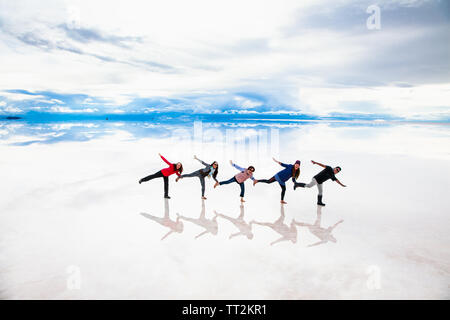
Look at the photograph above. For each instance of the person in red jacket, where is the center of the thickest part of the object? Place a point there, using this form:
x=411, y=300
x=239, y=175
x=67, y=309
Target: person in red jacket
x=165, y=173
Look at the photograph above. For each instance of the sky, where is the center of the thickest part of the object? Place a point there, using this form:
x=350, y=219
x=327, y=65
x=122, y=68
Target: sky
x=316, y=57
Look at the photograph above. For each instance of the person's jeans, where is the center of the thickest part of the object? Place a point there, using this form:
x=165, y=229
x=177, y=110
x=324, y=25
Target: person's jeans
x=273, y=179
x=313, y=183
x=159, y=175
x=198, y=174
x=234, y=180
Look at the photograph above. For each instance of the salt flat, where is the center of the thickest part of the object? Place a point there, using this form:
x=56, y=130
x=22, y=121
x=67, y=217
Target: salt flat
x=71, y=225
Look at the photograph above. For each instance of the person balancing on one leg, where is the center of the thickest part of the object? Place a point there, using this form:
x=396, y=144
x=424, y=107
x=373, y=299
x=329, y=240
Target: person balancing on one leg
x=320, y=178
x=239, y=178
x=290, y=171
x=165, y=173
x=210, y=170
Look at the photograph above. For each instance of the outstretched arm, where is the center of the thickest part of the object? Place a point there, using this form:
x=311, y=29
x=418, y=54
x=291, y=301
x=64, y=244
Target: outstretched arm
x=317, y=243
x=202, y=162
x=164, y=159
x=280, y=163
x=279, y=240
x=201, y=234
x=236, y=166
x=337, y=180
x=303, y=224
x=336, y=224
x=235, y=235
x=319, y=164
x=167, y=234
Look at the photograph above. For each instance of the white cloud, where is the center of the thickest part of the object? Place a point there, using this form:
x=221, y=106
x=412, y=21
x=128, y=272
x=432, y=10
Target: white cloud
x=247, y=103
x=393, y=100
x=70, y=110
x=9, y=109
x=186, y=47
x=13, y=96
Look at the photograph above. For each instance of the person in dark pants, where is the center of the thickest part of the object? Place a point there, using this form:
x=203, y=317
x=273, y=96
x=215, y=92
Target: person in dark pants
x=290, y=171
x=324, y=175
x=210, y=170
x=165, y=173
x=239, y=178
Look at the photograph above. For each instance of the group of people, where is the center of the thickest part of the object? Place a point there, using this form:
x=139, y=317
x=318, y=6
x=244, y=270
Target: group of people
x=290, y=171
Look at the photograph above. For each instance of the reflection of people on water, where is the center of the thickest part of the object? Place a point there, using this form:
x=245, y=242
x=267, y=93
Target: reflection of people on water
x=210, y=170
x=175, y=226
x=289, y=233
x=210, y=226
x=324, y=234
x=245, y=229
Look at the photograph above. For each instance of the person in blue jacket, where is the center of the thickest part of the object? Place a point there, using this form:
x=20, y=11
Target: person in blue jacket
x=289, y=171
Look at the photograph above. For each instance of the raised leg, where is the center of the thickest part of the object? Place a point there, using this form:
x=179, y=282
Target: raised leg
x=161, y=221
x=233, y=179
x=266, y=224
x=267, y=180
x=190, y=175
x=311, y=184
x=152, y=176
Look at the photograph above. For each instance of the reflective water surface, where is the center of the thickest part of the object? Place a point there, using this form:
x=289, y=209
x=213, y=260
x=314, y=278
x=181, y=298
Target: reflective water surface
x=75, y=223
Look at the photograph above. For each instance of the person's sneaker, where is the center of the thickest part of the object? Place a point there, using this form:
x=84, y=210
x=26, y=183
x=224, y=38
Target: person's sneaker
x=166, y=197
x=140, y=181
x=203, y=198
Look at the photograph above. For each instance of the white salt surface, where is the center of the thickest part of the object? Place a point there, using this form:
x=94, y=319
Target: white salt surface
x=71, y=224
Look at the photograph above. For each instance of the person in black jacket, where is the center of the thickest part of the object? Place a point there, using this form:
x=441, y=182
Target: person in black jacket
x=210, y=170
x=324, y=175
